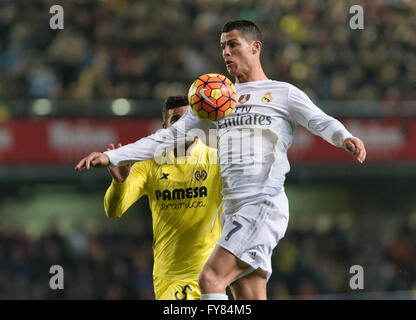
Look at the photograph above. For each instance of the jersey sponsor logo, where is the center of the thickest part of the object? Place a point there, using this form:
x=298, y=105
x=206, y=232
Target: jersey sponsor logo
x=252, y=119
x=244, y=98
x=182, y=205
x=242, y=109
x=267, y=98
x=200, y=175
x=178, y=194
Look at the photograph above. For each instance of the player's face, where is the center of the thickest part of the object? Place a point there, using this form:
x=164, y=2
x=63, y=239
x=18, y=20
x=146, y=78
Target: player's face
x=174, y=115
x=237, y=53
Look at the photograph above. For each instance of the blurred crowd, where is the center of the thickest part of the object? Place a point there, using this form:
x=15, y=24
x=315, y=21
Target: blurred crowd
x=151, y=49
x=311, y=261
x=114, y=263
x=315, y=262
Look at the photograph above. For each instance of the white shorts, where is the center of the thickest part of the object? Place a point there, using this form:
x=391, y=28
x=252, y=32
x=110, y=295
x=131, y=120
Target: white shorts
x=252, y=227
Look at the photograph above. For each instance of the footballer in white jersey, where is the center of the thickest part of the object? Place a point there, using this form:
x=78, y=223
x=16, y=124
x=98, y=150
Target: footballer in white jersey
x=252, y=147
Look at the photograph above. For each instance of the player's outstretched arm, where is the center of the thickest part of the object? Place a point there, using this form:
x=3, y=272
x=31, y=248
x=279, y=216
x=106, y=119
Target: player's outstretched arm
x=150, y=147
x=307, y=114
x=160, y=142
x=356, y=147
x=93, y=160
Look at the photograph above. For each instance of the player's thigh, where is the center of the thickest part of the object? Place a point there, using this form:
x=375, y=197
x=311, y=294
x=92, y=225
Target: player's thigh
x=252, y=286
x=252, y=230
x=177, y=290
x=223, y=265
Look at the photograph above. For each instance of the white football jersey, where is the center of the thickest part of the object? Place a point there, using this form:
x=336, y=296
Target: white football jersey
x=252, y=141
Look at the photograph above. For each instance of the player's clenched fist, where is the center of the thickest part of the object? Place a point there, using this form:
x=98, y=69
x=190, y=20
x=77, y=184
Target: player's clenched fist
x=356, y=147
x=94, y=160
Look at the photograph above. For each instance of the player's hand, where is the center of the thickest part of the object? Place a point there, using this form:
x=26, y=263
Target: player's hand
x=121, y=173
x=356, y=147
x=93, y=160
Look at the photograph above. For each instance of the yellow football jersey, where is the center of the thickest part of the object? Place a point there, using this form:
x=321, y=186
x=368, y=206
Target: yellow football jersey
x=184, y=195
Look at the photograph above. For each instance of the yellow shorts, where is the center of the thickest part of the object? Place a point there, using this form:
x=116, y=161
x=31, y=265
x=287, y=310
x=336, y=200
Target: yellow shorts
x=176, y=289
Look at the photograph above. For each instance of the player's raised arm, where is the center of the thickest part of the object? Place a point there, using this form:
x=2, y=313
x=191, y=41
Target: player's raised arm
x=307, y=114
x=149, y=147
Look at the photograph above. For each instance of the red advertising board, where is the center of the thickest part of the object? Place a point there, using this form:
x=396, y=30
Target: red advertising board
x=386, y=141
x=59, y=141
x=64, y=141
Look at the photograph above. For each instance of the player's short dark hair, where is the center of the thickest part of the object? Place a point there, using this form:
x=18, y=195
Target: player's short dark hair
x=173, y=102
x=247, y=29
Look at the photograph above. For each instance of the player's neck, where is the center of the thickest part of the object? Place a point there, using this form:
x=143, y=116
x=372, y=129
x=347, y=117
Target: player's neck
x=255, y=75
x=189, y=146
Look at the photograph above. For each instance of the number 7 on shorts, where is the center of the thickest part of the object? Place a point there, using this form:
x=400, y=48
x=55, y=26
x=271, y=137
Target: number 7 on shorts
x=233, y=230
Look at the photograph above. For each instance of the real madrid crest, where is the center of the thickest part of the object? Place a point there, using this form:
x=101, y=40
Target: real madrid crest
x=244, y=98
x=200, y=175
x=267, y=98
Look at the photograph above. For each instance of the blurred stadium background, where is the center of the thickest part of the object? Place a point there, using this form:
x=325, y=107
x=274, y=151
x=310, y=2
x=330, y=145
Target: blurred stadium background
x=101, y=80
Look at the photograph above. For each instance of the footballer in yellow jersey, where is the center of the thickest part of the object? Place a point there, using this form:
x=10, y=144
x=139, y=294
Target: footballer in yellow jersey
x=184, y=195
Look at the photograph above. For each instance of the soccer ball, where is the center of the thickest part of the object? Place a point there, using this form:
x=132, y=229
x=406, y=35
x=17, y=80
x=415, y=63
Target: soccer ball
x=212, y=97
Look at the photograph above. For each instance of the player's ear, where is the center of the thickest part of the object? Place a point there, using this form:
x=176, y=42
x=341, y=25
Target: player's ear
x=256, y=47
